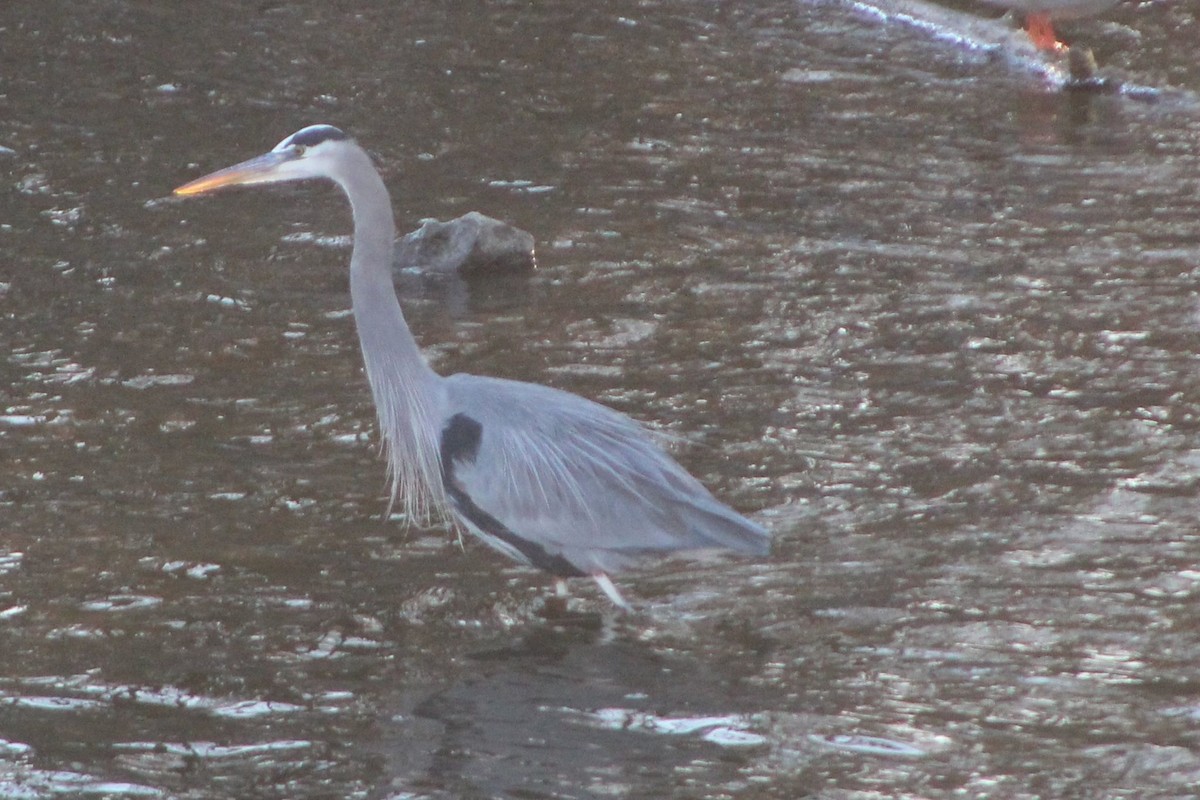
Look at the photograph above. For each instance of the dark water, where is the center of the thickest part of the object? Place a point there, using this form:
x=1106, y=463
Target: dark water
x=932, y=321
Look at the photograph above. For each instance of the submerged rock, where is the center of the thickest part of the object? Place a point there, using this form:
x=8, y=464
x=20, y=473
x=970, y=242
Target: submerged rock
x=473, y=244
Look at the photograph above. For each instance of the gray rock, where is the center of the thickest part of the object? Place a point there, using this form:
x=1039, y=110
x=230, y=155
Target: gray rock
x=473, y=244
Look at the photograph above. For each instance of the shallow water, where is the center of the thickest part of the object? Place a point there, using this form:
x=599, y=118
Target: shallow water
x=929, y=319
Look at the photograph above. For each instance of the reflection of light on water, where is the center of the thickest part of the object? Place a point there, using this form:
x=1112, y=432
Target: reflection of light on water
x=332, y=645
x=122, y=602
x=737, y=730
x=35, y=783
x=81, y=693
x=227, y=302
x=308, y=237
x=14, y=749
x=520, y=185
x=214, y=750
x=731, y=730
x=191, y=570
x=157, y=760
x=1115, y=665
x=50, y=703
x=253, y=708
x=18, y=780
x=150, y=381
x=10, y=561
x=21, y=420
x=868, y=745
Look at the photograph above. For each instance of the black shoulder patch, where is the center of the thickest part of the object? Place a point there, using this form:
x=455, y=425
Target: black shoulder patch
x=314, y=135
x=460, y=444
x=460, y=441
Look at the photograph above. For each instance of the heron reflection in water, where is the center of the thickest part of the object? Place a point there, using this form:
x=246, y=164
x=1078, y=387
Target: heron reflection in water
x=546, y=477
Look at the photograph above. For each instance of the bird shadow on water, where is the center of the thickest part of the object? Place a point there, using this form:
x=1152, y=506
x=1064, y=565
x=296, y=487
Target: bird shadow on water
x=570, y=710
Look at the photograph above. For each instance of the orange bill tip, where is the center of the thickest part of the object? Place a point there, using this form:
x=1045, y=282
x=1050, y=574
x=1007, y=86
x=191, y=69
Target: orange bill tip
x=260, y=169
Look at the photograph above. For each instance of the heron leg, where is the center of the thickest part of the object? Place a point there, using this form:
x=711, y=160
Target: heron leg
x=555, y=607
x=606, y=586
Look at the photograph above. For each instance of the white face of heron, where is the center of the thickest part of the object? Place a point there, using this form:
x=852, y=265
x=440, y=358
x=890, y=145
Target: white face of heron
x=311, y=152
x=307, y=153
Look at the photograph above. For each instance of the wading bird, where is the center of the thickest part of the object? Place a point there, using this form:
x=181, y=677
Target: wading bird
x=544, y=476
x=1040, y=16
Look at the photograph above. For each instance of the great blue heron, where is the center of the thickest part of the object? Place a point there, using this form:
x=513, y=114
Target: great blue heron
x=546, y=477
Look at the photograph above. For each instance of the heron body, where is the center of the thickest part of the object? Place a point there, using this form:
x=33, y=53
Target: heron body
x=544, y=476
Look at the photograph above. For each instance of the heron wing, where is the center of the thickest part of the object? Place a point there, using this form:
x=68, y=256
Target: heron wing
x=579, y=487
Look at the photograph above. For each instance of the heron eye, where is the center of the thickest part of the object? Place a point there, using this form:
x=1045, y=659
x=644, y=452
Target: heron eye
x=300, y=149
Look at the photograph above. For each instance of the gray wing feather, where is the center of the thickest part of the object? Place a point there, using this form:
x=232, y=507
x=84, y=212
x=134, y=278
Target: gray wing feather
x=583, y=481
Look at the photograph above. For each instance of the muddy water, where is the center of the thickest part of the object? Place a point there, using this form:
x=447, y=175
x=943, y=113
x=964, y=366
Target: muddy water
x=931, y=321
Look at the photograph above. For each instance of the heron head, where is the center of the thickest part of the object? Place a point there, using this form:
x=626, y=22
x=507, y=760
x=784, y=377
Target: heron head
x=308, y=153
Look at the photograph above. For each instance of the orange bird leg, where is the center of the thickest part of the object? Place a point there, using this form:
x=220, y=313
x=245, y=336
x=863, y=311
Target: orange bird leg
x=1041, y=31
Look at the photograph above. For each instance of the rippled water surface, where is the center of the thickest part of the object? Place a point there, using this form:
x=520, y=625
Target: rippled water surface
x=931, y=319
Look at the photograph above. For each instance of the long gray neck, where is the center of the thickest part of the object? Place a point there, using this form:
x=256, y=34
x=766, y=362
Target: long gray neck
x=382, y=328
x=409, y=396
